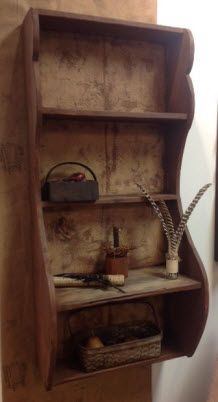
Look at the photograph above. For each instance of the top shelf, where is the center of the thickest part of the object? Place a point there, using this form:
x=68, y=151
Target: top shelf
x=152, y=117
x=91, y=25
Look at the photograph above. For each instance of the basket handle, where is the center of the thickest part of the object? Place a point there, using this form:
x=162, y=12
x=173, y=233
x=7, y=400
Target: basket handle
x=70, y=163
x=111, y=304
x=154, y=313
x=152, y=308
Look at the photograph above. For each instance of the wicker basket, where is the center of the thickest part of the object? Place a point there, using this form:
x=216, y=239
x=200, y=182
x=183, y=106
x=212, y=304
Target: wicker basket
x=121, y=350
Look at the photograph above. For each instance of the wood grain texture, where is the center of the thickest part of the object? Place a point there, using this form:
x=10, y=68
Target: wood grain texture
x=111, y=150
x=82, y=250
x=65, y=374
x=102, y=147
x=46, y=331
x=109, y=156
x=118, y=28
x=153, y=117
x=109, y=200
x=18, y=327
x=142, y=282
x=181, y=97
x=109, y=386
x=101, y=74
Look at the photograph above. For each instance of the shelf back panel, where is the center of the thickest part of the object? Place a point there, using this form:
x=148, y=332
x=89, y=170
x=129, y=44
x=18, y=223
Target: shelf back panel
x=119, y=154
x=78, y=245
x=93, y=73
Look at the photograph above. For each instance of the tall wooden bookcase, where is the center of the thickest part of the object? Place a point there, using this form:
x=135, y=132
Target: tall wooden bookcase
x=117, y=96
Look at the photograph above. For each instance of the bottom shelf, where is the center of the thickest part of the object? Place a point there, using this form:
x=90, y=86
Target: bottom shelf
x=64, y=373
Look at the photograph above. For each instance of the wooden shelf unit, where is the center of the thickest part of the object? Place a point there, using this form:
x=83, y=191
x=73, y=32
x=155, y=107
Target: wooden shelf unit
x=185, y=300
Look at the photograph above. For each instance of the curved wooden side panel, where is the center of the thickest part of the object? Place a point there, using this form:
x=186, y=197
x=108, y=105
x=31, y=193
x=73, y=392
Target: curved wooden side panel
x=187, y=312
x=46, y=325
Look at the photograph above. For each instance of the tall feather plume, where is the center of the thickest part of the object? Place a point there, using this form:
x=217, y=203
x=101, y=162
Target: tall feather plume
x=173, y=237
x=158, y=213
x=169, y=222
x=187, y=213
x=167, y=217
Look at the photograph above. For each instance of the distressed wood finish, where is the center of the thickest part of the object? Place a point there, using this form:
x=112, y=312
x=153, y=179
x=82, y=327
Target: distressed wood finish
x=111, y=199
x=131, y=81
x=69, y=22
x=46, y=329
x=65, y=374
x=181, y=98
x=89, y=72
x=155, y=117
x=110, y=150
x=140, y=283
x=90, y=229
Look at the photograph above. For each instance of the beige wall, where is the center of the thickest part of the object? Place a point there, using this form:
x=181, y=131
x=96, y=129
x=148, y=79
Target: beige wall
x=20, y=378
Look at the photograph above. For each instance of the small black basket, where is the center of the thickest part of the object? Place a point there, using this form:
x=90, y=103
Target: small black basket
x=60, y=190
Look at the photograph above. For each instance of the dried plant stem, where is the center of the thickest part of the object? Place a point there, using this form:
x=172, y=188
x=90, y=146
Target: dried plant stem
x=116, y=252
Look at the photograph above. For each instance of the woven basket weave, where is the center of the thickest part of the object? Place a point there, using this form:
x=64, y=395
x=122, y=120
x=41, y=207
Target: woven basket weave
x=122, y=352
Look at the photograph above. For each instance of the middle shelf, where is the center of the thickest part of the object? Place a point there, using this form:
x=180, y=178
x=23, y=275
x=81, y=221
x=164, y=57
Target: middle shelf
x=141, y=283
x=110, y=199
x=91, y=115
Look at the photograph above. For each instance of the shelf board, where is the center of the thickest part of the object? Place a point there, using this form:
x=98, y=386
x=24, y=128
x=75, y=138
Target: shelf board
x=93, y=25
x=109, y=200
x=151, y=117
x=141, y=283
x=64, y=373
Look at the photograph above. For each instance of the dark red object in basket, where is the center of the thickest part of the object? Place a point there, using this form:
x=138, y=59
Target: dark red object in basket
x=78, y=176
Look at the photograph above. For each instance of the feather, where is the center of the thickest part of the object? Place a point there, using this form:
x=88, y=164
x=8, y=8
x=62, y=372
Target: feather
x=187, y=214
x=173, y=237
x=169, y=222
x=158, y=213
